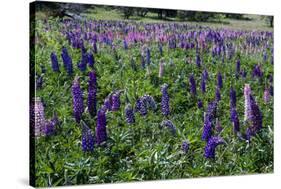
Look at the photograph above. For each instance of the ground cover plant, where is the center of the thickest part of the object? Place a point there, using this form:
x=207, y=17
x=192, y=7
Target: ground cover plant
x=125, y=100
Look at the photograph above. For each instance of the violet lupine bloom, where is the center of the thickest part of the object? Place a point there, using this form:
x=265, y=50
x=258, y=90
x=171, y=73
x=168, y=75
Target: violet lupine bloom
x=255, y=119
x=232, y=95
x=67, y=61
x=50, y=127
x=198, y=61
x=101, y=134
x=219, y=82
x=207, y=128
x=125, y=44
x=77, y=98
x=266, y=96
x=203, y=84
x=55, y=62
x=205, y=75
x=218, y=94
x=149, y=102
x=185, y=146
x=92, y=93
x=91, y=60
x=235, y=120
x=165, y=107
x=210, y=148
x=39, y=116
x=140, y=106
x=147, y=56
x=200, y=103
x=116, y=101
x=87, y=139
x=107, y=104
x=192, y=85
x=257, y=72
x=247, y=93
x=169, y=124
x=129, y=114
x=82, y=65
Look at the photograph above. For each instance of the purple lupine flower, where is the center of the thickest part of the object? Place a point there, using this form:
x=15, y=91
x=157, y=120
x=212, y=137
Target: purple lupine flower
x=205, y=75
x=232, y=95
x=87, y=139
x=200, y=103
x=116, y=101
x=219, y=82
x=149, y=102
x=92, y=93
x=101, y=134
x=165, y=107
x=235, y=120
x=192, y=85
x=67, y=61
x=95, y=48
x=77, y=98
x=140, y=106
x=257, y=72
x=50, y=127
x=91, y=60
x=148, y=56
x=169, y=124
x=210, y=148
x=218, y=94
x=198, y=61
x=244, y=73
x=255, y=119
x=129, y=114
x=203, y=84
x=266, y=96
x=82, y=65
x=207, y=128
x=218, y=126
x=212, y=108
x=247, y=93
x=125, y=44
x=107, y=104
x=55, y=62
x=185, y=146
x=39, y=116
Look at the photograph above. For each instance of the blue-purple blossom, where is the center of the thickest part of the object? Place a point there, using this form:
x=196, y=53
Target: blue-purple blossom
x=185, y=146
x=235, y=120
x=150, y=102
x=115, y=101
x=219, y=82
x=129, y=114
x=91, y=60
x=101, y=134
x=207, y=128
x=192, y=85
x=140, y=107
x=218, y=94
x=67, y=61
x=200, y=103
x=147, y=56
x=39, y=116
x=165, y=107
x=77, y=99
x=169, y=124
x=210, y=148
x=92, y=96
x=87, y=138
x=198, y=61
x=55, y=62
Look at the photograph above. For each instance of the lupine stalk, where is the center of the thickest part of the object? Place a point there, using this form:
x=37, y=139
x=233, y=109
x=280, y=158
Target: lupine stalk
x=219, y=82
x=67, y=61
x=140, y=106
x=92, y=96
x=55, y=62
x=87, y=139
x=210, y=148
x=77, y=98
x=266, y=96
x=101, y=134
x=192, y=85
x=185, y=146
x=165, y=107
x=116, y=101
x=129, y=114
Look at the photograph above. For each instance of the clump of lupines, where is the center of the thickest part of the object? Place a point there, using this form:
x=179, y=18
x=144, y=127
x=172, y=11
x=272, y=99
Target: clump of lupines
x=185, y=146
x=140, y=106
x=67, y=61
x=87, y=138
x=92, y=93
x=192, y=85
x=129, y=114
x=169, y=124
x=266, y=96
x=255, y=118
x=77, y=99
x=219, y=82
x=39, y=116
x=165, y=106
x=210, y=148
x=247, y=93
x=101, y=134
x=55, y=62
x=116, y=101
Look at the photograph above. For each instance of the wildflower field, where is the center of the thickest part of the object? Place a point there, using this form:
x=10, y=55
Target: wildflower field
x=120, y=101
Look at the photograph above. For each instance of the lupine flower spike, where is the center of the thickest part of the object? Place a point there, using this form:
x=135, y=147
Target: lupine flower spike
x=165, y=107
x=101, y=134
x=87, y=138
x=210, y=148
x=77, y=99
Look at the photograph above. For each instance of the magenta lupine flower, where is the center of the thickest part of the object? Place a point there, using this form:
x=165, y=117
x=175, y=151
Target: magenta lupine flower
x=169, y=124
x=77, y=99
x=266, y=96
x=255, y=119
x=116, y=101
x=247, y=93
x=39, y=115
x=192, y=85
x=101, y=134
x=129, y=114
x=87, y=138
x=165, y=107
x=92, y=90
x=210, y=148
